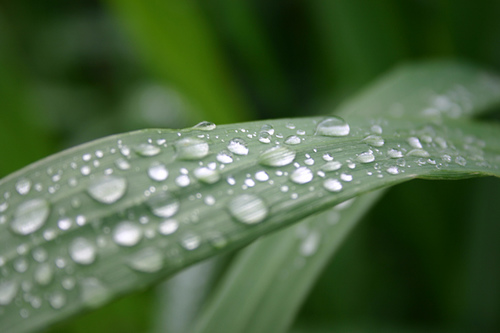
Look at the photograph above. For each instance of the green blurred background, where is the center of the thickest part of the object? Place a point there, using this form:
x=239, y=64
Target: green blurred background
x=426, y=259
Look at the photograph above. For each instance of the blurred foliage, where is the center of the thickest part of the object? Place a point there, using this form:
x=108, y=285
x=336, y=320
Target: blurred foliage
x=71, y=71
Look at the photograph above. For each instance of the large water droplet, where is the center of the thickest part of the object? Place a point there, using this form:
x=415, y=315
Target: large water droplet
x=393, y=170
x=414, y=142
x=366, y=157
x=168, y=227
x=82, y=251
x=205, y=126
x=107, y=189
x=224, y=157
x=394, y=153
x=30, y=216
x=8, y=290
x=147, y=260
x=293, y=140
x=331, y=166
x=158, y=172
x=127, y=233
x=147, y=150
x=333, y=126
x=191, y=148
x=23, y=186
x=248, y=208
x=238, y=146
x=301, y=175
x=374, y=140
x=261, y=176
x=207, y=175
x=164, y=205
x=332, y=185
x=277, y=156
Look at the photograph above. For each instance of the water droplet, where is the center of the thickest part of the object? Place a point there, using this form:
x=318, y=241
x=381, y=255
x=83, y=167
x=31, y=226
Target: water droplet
x=122, y=164
x=207, y=175
x=394, y=153
x=374, y=140
x=376, y=129
x=182, y=180
x=264, y=137
x=267, y=128
x=107, y=189
x=8, y=290
x=23, y=186
x=168, y=227
x=301, y=175
x=331, y=166
x=460, y=161
x=293, y=140
x=418, y=152
x=164, y=205
x=93, y=292
x=310, y=244
x=191, y=148
x=30, y=216
x=346, y=177
x=414, y=142
x=43, y=274
x=366, y=157
x=147, y=150
x=127, y=233
x=190, y=242
x=333, y=126
x=332, y=185
x=57, y=300
x=261, y=176
x=393, y=170
x=147, y=260
x=224, y=157
x=248, y=208
x=277, y=156
x=238, y=146
x=205, y=126
x=309, y=161
x=158, y=172
x=82, y=251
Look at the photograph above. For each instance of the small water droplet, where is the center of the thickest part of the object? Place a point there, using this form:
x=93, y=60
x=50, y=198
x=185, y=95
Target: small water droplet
x=248, y=209
x=238, y=146
x=43, y=274
x=30, y=216
x=147, y=150
x=293, y=140
x=366, y=157
x=23, y=186
x=261, y=176
x=374, y=140
x=394, y=153
x=310, y=244
x=168, y=227
x=205, y=126
x=147, y=260
x=107, y=189
x=82, y=251
x=301, y=175
x=346, y=177
x=267, y=128
x=122, y=164
x=418, y=152
x=224, y=157
x=127, y=233
x=57, y=300
x=93, y=292
x=393, y=170
x=331, y=166
x=265, y=137
x=182, y=180
x=332, y=185
x=164, y=205
x=207, y=175
x=277, y=156
x=460, y=160
x=376, y=129
x=333, y=126
x=191, y=148
x=158, y=172
x=190, y=242
x=414, y=142
x=8, y=290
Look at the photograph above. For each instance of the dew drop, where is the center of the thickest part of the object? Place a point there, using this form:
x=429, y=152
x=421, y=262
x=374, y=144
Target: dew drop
x=376, y=129
x=346, y=177
x=8, y=290
x=205, y=126
x=164, y=205
x=394, y=153
x=43, y=274
x=414, y=142
x=261, y=176
x=238, y=146
x=182, y=181
x=333, y=126
x=418, y=152
x=57, y=300
x=224, y=157
x=264, y=137
x=293, y=140
x=191, y=148
x=207, y=175
x=332, y=185
x=366, y=157
x=127, y=233
x=30, y=216
x=82, y=251
x=374, y=140
x=190, y=242
x=310, y=244
x=393, y=170
x=460, y=161
x=147, y=260
x=248, y=209
x=331, y=166
x=122, y=164
x=301, y=175
x=277, y=156
x=147, y=150
x=93, y=292
x=158, y=172
x=107, y=189
x=267, y=128
x=168, y=227
x=23, y=186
